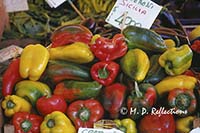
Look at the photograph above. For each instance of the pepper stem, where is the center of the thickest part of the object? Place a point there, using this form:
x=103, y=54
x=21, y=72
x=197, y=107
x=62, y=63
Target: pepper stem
x=51, y=123
x=10, y=104
x=84, y=114
x=103, y=73
x=26, y=125
x=137, y=90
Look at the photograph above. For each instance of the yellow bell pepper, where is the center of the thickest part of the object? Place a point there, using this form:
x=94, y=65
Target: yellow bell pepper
x=170, y=43
x=77, y=52
x=57, y=122
x=172, y=82
x=12, y=104
x=33, y=61
x=184, y=125
x=126, y=125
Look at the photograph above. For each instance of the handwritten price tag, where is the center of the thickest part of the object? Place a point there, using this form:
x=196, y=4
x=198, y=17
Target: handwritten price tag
x=96, y=130
x=55, y=3
x=141, y=13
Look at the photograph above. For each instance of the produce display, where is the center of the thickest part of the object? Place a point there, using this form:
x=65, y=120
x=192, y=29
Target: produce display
x=91, y=76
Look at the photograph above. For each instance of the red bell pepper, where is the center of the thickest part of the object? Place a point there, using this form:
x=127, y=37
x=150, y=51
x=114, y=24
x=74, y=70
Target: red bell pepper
x=109, y=49
x=160, y=123
x=104, y=72
x=25, y=122
x=113, y=99
x=10, y=77
x=69, y=34
x=182, y=99
x=84, y=113
x=196, y=46
x=45, y=105
x=143, y=96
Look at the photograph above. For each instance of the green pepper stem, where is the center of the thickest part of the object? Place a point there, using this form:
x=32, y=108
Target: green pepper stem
x=103, y=73
x=10, y=104
x=84, y=114
x=51, y=123
x=137, y=90
x=26, y=125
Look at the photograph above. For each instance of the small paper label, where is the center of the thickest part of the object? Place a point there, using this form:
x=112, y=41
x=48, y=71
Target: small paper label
x=10, y=52
x=16, y=5
x=55, y=3
x=96, y=130
x=141, y=13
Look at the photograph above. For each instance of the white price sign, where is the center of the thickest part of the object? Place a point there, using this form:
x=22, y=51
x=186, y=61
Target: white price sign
x=55, y=3
x=16, y=5
x=141, y=13
x=96, y=130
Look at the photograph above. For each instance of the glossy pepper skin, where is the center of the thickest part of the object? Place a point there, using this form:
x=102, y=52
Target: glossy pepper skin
x=32, y=90
x=184, y=125
x=77, y=52
x=152, y=123
x=104, y=72
x=57, y=122
x=143, y=96
x=171, y=82
x=33, y=61
x=127, y=125
x=144, y=39
x=113, y=97
x=46, y=105
x=68, y=34
x=12, y=104
x=84, y=113
x=10, y=77
x=25, y=122
x=75, y=90
x=182, y=99
x=176, y=61
x=135, y=63
x=109, y=49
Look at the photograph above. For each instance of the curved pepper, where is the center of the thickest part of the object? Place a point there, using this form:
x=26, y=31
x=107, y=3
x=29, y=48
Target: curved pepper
x=32, y=90
x=126, y=125
x=144, y=39
x=109, y=49
x=10, y=77
x=77, y=52
x=76, y=90
x=57, y=122
x=33, y=61
x=135, y=63
x=12, y=104
x=182, y=99
x=176, y=60
x=84, y=113
x=184, y=125
x=171, y=82
x=104, y=72
x=113, y=98
x=25, y=122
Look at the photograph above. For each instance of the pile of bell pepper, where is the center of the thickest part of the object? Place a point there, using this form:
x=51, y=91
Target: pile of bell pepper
x=81, y=79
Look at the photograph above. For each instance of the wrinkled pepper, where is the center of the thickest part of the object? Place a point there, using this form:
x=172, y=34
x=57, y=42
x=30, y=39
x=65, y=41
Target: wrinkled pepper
x=171, y=82
x=47, y=104
x=185, y=124
x=57, y=122
x=77, y=52
x=135, y=63
x=10, y=77
x=176, y=61
x=109, y=49
x=75, y=90
x=25, y=122
x=84, y=113
x=32, y=90
x=126, y=125
x=12, y=104
x=157, y=123
x=33, y=61
x=68, y=34
x=104, y=72
x=142, y=97
x=113, y=98
x=58, y=70
x=145, y=39
x=182, y=99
